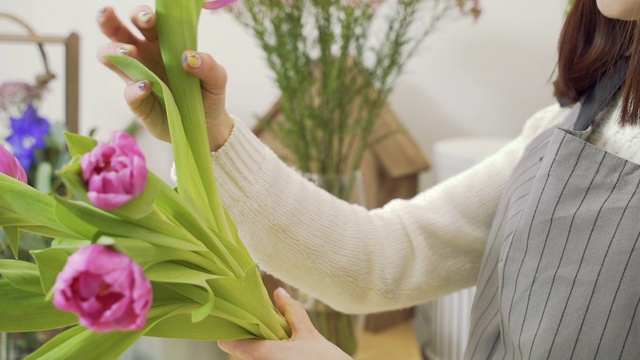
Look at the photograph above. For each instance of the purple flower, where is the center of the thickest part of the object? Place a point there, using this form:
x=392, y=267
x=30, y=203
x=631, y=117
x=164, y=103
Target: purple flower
x=216, y=4
x=105, y=288
x=28, y=135
x=114, y=173
x=9, y=165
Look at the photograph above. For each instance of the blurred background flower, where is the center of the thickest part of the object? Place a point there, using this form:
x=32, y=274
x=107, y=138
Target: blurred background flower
x=13, y=97
x=28, y=134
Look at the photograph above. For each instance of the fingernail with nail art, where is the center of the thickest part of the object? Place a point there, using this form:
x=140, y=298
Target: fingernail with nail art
x=142, y=86
x=101, y=12
x=143, y=17
x=125, y=49
x=192, y=59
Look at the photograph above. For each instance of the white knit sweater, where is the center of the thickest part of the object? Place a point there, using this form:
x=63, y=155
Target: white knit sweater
x=408, y=252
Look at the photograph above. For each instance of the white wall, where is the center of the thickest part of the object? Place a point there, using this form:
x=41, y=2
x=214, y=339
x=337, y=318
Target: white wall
x=483, y=78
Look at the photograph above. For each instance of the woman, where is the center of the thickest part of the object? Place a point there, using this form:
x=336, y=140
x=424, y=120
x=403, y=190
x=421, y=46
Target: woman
x=546, y=228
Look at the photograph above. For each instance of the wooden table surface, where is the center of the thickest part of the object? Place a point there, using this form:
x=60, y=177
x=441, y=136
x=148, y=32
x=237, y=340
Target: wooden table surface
x=398, y=342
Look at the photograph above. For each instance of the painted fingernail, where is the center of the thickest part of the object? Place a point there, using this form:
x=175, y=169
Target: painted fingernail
x=101, y=12
x=125, y=49
x=143, y=17
x=192, y=59
x=142, y=86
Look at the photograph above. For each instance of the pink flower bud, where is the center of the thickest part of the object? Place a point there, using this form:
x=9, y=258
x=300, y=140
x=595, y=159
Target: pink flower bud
x=114, y=173
x=106, y=289
x=9, y=165
x=216, y=4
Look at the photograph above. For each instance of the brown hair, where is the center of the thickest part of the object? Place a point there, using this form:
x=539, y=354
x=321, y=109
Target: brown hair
x=590, y=44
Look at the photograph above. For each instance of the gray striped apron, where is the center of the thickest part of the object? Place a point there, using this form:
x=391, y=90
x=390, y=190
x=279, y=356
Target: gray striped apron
x=560, y=277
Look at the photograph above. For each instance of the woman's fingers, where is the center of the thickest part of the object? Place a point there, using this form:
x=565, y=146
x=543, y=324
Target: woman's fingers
x=137, y=96
x=296, y=315
x=147, y=49
x=204, y=67
x=144, y=19
x=301, y=329
x=113, y=28
x=305, y=342
x=116, y=49
x=147, y=109
x=249, y=349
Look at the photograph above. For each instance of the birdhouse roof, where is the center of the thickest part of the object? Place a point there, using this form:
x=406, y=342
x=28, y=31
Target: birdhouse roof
x=394, y=149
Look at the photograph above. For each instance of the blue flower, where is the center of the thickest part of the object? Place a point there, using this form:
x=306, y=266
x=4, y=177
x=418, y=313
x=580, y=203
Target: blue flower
x=28, y=135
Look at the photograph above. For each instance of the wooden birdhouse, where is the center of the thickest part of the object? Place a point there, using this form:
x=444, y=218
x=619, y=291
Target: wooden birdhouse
x=390, y=168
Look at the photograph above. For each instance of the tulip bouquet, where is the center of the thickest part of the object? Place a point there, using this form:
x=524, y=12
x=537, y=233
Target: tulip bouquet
x=132, y=256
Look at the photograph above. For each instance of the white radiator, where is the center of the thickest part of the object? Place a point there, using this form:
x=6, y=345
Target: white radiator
x=447, y=319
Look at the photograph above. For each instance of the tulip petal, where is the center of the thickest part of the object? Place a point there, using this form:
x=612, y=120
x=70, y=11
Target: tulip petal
x=106, y=289
x=114, y=173
x=9, y=165
x=216, y=4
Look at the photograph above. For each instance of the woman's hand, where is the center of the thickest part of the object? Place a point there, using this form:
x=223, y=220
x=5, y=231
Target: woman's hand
x=147, y=50
x=305, y=343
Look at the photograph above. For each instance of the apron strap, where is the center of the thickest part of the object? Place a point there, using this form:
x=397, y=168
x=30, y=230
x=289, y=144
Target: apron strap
x=601, y=94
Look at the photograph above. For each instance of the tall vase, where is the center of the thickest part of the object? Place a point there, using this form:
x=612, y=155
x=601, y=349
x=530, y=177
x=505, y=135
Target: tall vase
x=344, y=330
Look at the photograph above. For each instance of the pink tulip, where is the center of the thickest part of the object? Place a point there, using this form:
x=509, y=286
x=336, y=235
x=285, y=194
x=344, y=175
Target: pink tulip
x=114, y=173
x=9, y=165
x=216, y=4
x=106, y=289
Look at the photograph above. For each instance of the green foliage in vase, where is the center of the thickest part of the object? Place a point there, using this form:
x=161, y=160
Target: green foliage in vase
x=336, y=63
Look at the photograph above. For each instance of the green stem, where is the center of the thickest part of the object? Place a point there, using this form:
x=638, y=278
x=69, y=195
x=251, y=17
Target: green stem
x=177, y=23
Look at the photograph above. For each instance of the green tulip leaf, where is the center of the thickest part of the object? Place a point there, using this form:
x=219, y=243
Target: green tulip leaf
x=70, y=243
x=141, y=205
x=71, y=175
x=50, y=263
x=13, y=234
x=272, y=325
x=194, y=191
x=22, y=310
x=92, y=223
x=78, y=342
x=21, y=274
x=173, y=273
x=148, y=255
x=209, y=329
x=172, y=206
x=78, y=144
x=21, y=205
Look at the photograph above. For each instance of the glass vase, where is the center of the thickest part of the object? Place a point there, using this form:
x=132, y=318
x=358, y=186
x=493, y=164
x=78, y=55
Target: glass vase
x=344, y=330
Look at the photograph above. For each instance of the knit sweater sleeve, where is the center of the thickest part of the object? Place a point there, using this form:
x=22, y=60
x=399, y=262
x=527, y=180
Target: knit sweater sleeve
x=358, y=260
